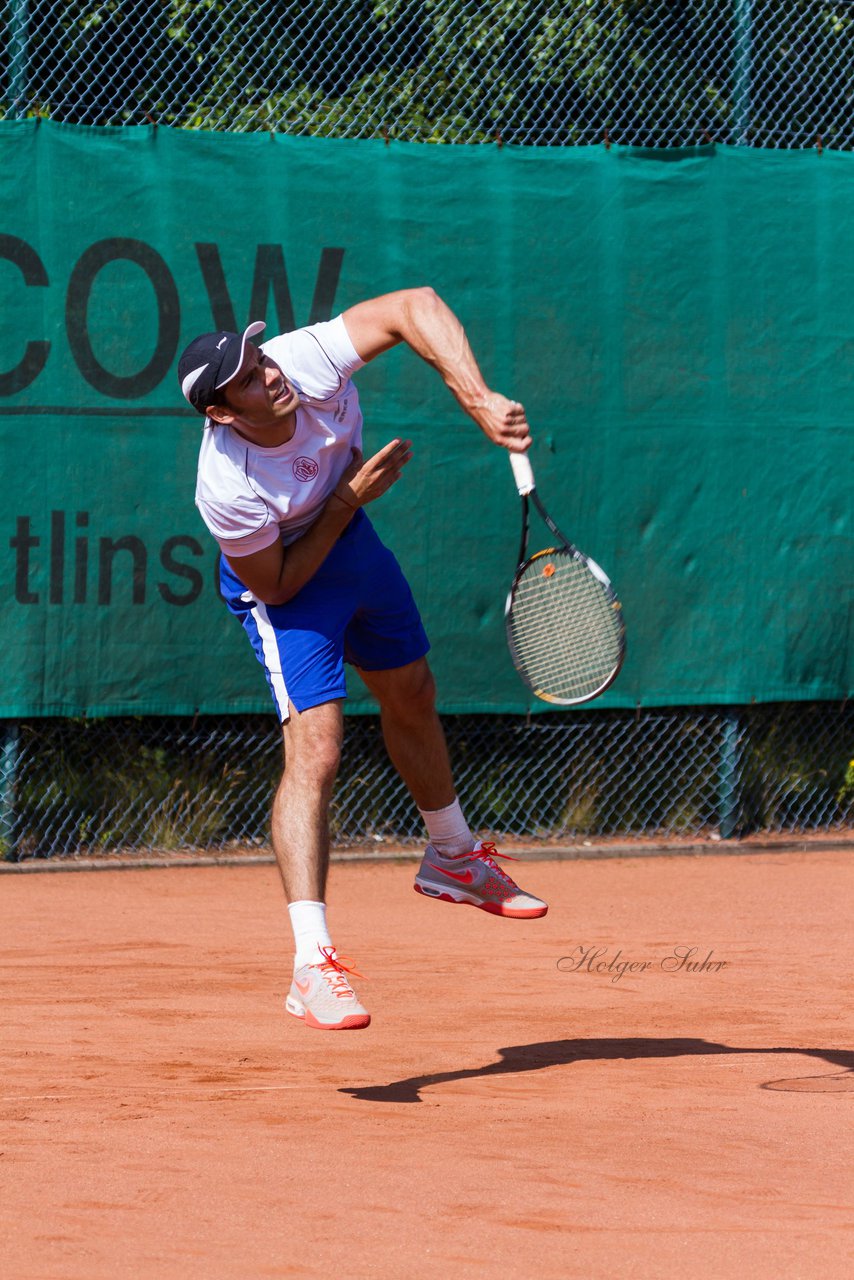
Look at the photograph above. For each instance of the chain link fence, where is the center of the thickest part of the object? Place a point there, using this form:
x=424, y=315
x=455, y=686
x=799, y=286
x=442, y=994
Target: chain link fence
x=661, y=73
x=653, y=73
x=86, y=787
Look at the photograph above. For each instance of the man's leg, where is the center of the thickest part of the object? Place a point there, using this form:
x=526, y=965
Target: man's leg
x=456, y=868
x=312, y=741
x=413, y=733
x=320, y=993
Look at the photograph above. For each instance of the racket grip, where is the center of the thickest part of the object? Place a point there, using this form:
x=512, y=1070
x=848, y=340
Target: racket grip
x=522, y=473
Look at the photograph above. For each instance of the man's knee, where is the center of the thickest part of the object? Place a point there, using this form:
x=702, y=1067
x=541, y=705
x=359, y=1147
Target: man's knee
x=321, y=759
x=313, y=748
x=413, y=694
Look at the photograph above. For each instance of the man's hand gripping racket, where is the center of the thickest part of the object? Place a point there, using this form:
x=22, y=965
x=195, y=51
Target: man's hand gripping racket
x=565, y=625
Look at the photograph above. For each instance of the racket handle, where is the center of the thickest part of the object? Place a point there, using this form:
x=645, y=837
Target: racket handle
x=522, y=473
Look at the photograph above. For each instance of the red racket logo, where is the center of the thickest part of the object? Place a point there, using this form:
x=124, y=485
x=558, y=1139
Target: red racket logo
x=305, y=469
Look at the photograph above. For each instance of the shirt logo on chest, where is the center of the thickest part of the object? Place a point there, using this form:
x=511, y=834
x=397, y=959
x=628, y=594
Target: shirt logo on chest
x=305, y=469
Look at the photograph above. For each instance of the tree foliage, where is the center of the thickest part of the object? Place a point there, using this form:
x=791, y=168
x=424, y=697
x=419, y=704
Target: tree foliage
x=527, y=71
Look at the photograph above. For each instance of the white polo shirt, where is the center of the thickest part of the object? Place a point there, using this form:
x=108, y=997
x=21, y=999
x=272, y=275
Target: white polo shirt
x=249, y=496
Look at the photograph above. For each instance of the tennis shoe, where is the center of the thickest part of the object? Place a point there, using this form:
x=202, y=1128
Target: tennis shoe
x=477, y=880
x=321, y=996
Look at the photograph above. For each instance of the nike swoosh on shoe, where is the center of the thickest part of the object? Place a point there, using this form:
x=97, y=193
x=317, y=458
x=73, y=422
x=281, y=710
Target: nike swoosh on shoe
x=464, y=877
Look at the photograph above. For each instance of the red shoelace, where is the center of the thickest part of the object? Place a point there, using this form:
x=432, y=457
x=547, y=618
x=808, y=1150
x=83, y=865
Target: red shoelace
x=336, y=969
x=488, y=852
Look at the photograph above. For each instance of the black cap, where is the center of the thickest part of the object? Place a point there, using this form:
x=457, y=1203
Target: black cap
x=211, y=361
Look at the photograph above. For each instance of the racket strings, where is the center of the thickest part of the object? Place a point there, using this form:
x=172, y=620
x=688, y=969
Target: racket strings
x=564, y=627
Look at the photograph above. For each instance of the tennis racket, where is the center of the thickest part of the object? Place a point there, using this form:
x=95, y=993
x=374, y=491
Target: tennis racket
x=565, y=625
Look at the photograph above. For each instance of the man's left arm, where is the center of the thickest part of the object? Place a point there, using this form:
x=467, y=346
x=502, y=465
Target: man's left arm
x=425, y=323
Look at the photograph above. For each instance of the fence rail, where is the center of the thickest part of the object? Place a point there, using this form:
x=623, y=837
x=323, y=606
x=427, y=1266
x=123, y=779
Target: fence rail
x=654, y=73
x=72, y=787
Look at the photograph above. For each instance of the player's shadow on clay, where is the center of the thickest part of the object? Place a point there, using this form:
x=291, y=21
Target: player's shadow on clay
x=555, y=1053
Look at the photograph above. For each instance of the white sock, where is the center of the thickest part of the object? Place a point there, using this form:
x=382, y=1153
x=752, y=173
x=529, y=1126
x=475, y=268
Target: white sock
x=308, y=921
x=448, y=830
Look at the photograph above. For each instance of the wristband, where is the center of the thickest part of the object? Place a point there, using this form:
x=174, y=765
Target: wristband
x=351, y=505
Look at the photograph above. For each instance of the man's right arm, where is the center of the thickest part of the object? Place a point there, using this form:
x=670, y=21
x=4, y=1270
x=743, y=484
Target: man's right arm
x=277, y=573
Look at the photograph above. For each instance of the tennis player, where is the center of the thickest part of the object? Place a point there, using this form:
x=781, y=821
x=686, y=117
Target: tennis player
x=282, y=486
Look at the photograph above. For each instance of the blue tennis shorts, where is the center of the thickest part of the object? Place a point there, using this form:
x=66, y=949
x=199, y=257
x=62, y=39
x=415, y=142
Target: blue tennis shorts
x=357, y=608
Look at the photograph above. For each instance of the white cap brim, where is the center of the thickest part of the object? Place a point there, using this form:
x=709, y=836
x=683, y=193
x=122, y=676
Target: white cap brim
x=249, y=332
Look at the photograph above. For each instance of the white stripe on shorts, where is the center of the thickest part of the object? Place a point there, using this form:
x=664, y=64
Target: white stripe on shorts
x=272, y=661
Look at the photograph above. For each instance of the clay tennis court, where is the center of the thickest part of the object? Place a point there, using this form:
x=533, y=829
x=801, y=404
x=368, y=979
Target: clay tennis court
x=507, y=1113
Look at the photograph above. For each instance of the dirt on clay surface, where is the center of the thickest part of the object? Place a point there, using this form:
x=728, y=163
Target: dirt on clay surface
x=654, y=1080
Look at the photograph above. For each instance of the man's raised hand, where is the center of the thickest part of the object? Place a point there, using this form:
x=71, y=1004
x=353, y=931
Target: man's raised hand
x=363, y=482
x=503, y=421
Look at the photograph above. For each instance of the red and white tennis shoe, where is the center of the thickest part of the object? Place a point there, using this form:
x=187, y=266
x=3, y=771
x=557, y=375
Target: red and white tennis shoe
x=477, y=880
x=321, y=996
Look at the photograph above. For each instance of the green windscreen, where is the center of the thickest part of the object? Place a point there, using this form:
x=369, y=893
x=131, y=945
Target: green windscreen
x=679, y=326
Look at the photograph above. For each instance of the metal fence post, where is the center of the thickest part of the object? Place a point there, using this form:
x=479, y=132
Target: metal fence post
x=9, y=752
x=729, y=775
x=18, y=38
x=742, y=72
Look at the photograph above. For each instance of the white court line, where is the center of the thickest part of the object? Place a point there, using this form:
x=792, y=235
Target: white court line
x=144, y=1089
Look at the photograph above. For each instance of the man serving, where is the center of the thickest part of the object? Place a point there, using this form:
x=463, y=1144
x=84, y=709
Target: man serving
x=281, y=486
